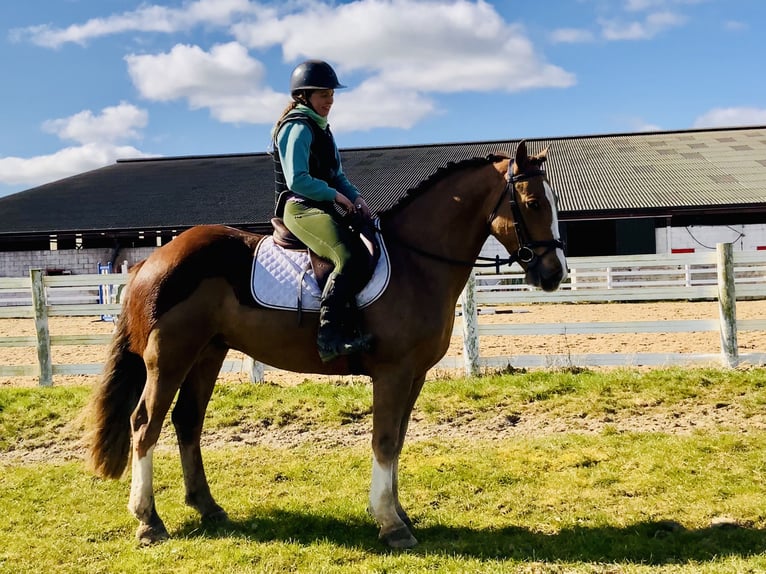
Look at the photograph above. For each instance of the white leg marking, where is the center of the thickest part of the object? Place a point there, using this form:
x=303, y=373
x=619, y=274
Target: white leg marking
x=555, y=227
x=141, y=490
x=382, y=502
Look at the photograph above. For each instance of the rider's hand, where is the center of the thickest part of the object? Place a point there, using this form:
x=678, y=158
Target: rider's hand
x=344, y=202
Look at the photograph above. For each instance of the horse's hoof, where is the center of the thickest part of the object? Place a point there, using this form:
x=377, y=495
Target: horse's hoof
x=216, y=517
x=148, y=534
x=399, y=538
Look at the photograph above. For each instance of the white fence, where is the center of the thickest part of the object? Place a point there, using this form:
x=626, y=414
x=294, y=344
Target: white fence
x=711, y=276
x=700, y=276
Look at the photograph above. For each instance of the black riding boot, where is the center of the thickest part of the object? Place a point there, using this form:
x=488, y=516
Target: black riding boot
x=337, y=306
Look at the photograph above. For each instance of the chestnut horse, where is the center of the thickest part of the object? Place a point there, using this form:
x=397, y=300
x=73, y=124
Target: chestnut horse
x=189, y=302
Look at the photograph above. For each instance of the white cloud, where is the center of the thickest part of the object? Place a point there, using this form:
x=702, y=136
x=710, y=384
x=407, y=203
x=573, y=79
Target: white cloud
x=100, y=136
x=406, y=48
x=638, y=124
x=412, y=47
x=226, y=80
x=638, y=5
x=734, y=116
x=189, y=71
x=147, y=18
x=571, y=36
x=431, y=46
x=375, y=105
x=735, y=25
x=116, y=123
x=653, y=24
x=63, y=163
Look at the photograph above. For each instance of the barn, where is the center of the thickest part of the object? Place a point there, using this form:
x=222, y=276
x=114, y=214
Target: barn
x=629, y=193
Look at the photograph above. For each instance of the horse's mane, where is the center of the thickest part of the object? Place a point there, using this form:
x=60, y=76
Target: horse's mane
x=439, y=175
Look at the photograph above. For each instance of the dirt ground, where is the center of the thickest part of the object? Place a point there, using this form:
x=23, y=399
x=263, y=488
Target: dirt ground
x=693, y=417
x=489, y=345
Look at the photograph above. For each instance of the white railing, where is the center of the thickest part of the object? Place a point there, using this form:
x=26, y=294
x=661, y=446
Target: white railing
x=689, y=276
x=705, y=276
x=602, y=279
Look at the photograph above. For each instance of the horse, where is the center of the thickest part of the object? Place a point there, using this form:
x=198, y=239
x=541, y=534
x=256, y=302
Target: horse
x=189, y=302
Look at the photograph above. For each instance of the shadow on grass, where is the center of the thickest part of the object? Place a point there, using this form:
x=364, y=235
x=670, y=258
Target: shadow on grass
x=649, y=543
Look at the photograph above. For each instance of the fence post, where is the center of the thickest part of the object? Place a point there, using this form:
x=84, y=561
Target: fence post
x=470, y=327
x=41, y=328
x=257, y=370
x=727, y=305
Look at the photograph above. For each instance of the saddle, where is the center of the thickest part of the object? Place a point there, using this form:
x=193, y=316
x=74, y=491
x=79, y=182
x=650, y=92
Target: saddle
x=322, y=267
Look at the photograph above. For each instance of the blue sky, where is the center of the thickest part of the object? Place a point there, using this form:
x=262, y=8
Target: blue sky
x=86, y=82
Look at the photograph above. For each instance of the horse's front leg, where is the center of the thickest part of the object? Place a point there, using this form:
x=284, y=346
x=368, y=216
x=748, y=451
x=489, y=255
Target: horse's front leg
x=392, y=403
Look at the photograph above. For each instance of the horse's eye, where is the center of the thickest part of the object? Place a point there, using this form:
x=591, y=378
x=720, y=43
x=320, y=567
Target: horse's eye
x=533, y=204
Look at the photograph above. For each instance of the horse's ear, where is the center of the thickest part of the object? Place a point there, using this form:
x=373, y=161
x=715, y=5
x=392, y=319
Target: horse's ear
x=521, y=153
x=543, y=155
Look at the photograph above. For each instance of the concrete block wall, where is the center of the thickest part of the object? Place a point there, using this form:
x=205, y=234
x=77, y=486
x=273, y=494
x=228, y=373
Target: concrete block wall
x=71, y=261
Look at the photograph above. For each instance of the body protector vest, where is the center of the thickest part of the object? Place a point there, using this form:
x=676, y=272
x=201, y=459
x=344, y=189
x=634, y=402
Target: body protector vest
x=323, y=163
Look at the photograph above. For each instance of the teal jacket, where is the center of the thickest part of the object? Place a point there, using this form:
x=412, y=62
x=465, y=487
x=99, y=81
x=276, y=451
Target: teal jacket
x=294, y=145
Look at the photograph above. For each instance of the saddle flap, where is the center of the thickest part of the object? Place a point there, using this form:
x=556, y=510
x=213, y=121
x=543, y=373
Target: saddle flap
x=284, y=237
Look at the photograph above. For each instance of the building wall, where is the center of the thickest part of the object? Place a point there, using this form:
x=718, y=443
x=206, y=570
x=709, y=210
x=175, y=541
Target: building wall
x=69, y=261
x=700, y=238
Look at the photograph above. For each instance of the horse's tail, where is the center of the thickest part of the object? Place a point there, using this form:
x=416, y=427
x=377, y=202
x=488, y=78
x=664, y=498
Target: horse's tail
x=111, y=404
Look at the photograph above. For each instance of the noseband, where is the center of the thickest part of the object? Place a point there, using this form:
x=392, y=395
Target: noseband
x=525, y=253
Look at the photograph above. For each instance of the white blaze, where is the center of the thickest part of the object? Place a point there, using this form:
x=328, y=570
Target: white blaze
x=555, y=227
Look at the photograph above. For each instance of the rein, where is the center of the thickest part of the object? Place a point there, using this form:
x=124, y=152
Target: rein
x=524, y=254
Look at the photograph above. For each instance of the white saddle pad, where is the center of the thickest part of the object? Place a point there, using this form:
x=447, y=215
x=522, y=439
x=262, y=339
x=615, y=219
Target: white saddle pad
x=281, y=278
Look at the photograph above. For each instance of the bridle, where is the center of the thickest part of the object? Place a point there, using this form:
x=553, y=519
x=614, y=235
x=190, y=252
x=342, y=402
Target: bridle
x=524, y=254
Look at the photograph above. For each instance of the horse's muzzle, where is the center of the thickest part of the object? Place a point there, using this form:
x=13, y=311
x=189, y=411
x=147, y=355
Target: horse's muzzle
x=547, y=274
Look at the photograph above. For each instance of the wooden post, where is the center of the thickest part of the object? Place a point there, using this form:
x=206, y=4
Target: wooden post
x=470, y=328
x=727, y=305
x=256, y=371
x=41, y=328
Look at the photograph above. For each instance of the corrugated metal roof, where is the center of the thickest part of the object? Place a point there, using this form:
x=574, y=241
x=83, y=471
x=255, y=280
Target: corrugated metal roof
x=660, y=171
x=613, y=175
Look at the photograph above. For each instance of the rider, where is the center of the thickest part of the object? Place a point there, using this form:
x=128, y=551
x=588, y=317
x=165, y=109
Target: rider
x=309, y=183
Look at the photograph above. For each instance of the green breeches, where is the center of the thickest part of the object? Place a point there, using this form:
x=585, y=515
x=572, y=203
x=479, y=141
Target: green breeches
x=323, y=234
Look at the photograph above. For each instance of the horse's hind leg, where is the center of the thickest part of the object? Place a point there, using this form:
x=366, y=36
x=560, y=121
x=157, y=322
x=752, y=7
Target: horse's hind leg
x=168, y=356
x=188, y=417
x=146, y=423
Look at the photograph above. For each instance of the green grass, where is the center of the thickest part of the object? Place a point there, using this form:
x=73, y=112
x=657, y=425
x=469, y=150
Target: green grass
x=33, y=418
x=604, y=502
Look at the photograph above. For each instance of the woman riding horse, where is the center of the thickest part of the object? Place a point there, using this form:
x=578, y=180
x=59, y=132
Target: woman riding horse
x=190, y=302
x=309, y=183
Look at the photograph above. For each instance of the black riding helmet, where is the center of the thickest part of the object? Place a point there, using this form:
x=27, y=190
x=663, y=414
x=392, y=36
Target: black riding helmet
x=314, y=75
